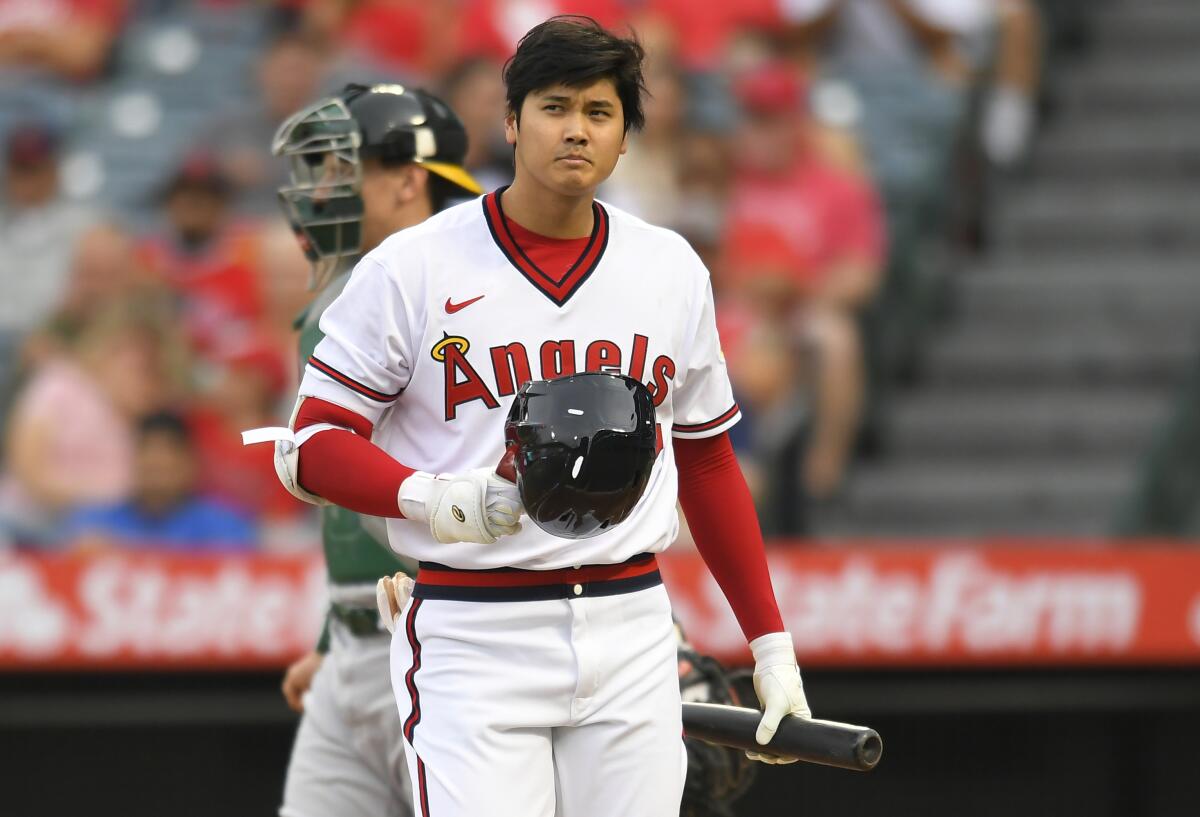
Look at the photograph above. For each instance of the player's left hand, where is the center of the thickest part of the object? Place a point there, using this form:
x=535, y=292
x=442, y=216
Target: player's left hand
x=298, y=679
x=779, y=688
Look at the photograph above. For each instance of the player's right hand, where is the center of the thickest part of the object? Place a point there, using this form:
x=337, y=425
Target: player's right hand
x=477, y=506
x=298, y=679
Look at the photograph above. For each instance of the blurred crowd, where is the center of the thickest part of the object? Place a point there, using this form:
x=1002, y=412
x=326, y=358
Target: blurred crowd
x=807, y=149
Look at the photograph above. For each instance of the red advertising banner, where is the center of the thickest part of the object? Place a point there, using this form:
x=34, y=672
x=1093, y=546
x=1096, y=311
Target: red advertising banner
x=1011, y=605
x=158, y=611
x=1051, y=604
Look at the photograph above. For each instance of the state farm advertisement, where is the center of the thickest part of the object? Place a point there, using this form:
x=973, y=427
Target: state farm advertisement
x=158, y=611
x=1064, y=604
x=986, y=605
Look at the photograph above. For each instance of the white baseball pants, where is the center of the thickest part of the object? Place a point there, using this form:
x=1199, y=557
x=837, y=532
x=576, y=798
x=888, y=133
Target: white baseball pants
x=564, y=707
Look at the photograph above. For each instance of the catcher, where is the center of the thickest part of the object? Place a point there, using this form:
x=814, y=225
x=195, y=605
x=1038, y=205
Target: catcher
x=360, y=170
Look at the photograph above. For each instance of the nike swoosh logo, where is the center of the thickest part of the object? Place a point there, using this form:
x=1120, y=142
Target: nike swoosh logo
x=452, y=308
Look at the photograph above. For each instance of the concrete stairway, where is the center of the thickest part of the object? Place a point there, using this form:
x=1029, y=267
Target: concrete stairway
x=1040, y=396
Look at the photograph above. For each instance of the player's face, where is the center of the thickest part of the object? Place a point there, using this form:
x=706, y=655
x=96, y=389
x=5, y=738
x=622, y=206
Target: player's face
x=378, y=205
x=569, y=139
x=394, y=198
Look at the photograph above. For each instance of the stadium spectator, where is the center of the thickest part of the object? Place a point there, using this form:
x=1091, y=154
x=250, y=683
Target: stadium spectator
x=288, y=75
x=648, y=180
x=702, y=35
x=414, y=39
x=881, y=35
x=801, y=229
x=1010, y=108
x=38, y=233
x=908, y=63
x=247, y=385
x=765, y=364
x=205, y=257
x=69, y=437
x=104, y=271
x=475, y=90
x=493, y=27
x=803, y=246
x=68, y=39
x=706, y=169
x=164, y=508
x=104, y=274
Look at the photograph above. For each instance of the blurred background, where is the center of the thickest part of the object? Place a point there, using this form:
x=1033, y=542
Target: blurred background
x=955, y=247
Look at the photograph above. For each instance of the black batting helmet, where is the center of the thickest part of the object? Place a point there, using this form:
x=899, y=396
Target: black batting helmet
x=584, y=446
x=400, y=124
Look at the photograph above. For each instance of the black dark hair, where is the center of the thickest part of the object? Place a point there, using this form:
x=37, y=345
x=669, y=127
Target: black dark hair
x=574, y=51
x=443, y=193
x=166, y=423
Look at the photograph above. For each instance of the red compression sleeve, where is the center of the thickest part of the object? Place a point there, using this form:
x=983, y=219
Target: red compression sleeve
x=345, y=467
x=724, y=524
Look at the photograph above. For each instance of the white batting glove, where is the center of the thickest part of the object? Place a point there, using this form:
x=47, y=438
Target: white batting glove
x=477, y=506
x=779, y=688
x=391, y=594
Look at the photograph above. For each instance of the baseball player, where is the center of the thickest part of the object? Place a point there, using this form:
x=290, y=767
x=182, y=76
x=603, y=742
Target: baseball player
x=363, y=165
x=535, y=674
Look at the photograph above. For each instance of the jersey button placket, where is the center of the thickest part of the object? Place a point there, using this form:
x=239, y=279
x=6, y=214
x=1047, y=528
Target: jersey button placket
x=583, y=644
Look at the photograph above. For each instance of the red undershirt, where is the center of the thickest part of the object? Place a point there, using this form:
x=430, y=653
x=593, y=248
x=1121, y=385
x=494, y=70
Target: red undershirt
x=553, y=256
x=347, y=469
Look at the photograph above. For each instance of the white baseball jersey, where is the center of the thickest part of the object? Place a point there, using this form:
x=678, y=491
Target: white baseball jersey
x=441, y=324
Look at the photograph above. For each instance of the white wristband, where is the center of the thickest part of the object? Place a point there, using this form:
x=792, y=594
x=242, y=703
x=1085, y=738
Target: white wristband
x=773, y=650
x=414, y=494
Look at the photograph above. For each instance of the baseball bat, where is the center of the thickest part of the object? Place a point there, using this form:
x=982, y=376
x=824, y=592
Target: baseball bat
x=826, y=742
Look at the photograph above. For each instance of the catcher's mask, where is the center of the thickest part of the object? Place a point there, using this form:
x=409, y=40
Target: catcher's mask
x=325, y=144
x=323, y=201
x=584, y=446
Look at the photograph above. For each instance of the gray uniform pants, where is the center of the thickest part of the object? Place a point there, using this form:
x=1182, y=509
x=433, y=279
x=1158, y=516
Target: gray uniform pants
x=348, y=758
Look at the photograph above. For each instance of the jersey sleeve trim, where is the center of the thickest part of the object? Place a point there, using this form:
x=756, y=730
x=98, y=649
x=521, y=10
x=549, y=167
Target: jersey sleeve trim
x=710, y=428
x=349, y=382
